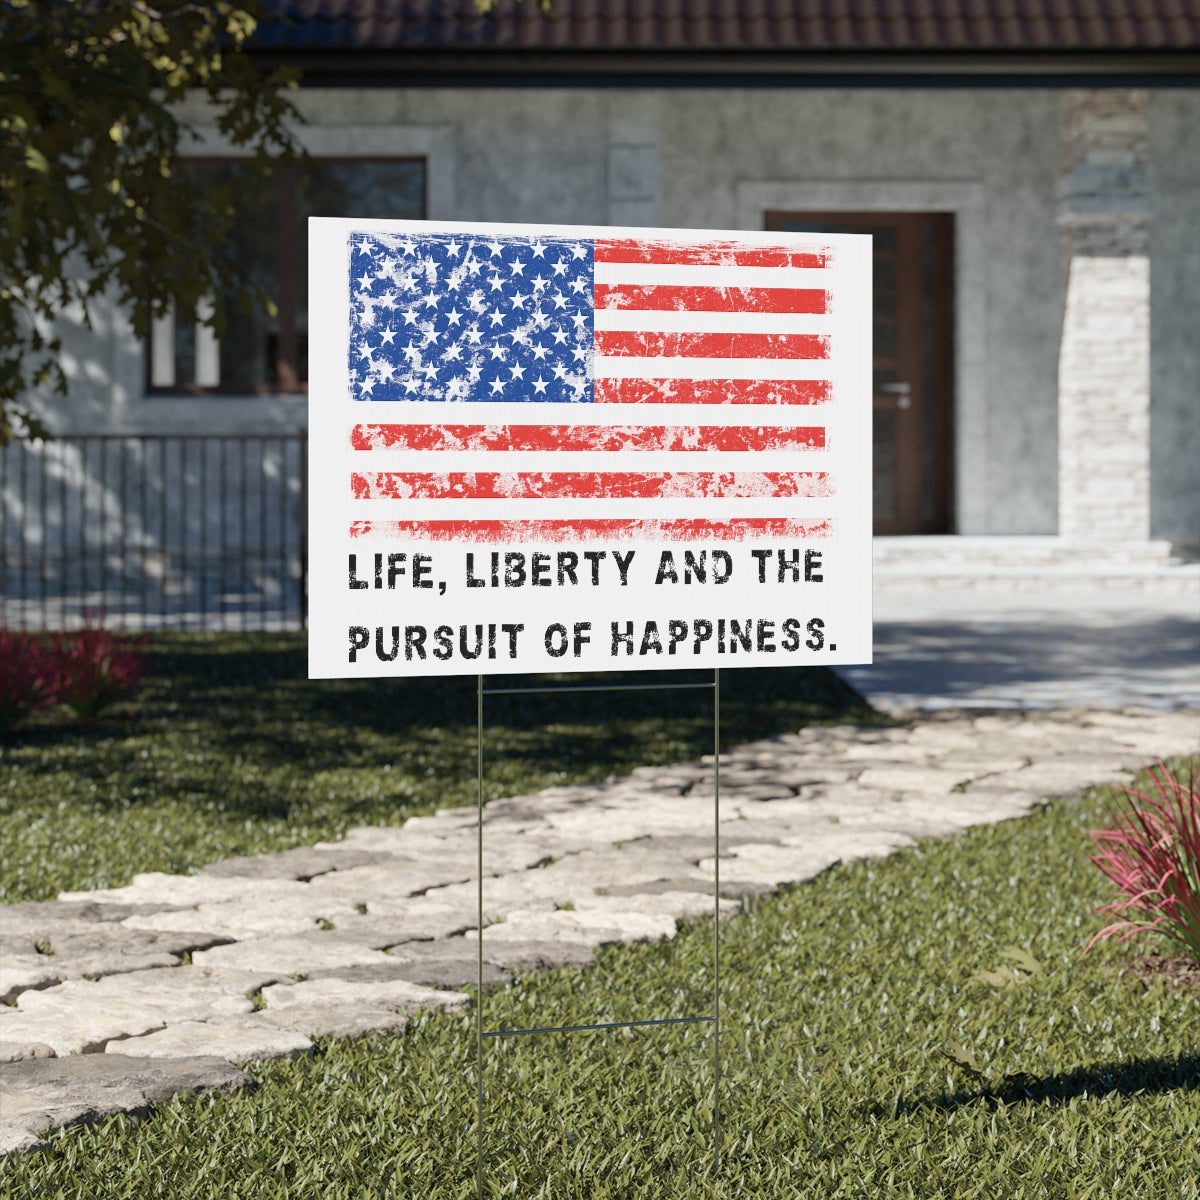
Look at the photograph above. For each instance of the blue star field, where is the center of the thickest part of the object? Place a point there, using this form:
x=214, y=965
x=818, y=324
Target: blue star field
x=442, y=317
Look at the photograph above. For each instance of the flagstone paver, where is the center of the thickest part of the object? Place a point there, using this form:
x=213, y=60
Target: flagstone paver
x=342, y=938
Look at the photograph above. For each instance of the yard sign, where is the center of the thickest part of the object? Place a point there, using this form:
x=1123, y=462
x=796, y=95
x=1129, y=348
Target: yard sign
x=547, y=448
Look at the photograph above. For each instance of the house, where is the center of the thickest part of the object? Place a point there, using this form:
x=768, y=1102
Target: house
x=1030, y=172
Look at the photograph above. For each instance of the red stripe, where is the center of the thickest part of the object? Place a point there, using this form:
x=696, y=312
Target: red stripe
x=737, y=529
x=606, y=485
x=709, y=254
x=652, y=344
x=711, y=299
x=587, y=437
x=712, y=391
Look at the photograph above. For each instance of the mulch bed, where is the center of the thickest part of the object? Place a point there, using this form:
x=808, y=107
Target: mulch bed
x=1177, y=971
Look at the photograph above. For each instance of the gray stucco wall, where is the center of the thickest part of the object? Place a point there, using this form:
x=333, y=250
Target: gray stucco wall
x=720, y=158
x=1175, y=315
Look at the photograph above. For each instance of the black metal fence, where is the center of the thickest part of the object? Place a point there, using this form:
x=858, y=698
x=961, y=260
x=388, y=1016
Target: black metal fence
x=154, y=532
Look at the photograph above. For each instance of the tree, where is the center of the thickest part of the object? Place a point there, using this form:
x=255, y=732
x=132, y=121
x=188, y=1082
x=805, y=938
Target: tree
x=93, y=197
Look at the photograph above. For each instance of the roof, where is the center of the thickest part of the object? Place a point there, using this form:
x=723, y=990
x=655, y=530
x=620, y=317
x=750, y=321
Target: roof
x=705, y=30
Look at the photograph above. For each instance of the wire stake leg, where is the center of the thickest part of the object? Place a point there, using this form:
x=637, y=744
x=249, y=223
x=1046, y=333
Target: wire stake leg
x=716, y=924
x=479, y=939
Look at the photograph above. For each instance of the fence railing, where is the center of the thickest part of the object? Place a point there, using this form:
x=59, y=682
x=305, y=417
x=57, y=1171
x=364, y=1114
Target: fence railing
x=154, y=532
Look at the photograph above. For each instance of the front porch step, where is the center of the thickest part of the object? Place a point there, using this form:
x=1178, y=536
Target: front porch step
x=984, y=555
x=1032, y=572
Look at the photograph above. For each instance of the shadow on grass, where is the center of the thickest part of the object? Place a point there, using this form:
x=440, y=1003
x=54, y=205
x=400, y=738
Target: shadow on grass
x=244, y=699
x=1129, y=1078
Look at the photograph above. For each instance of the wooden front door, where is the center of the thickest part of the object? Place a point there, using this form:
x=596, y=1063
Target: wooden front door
x=912, y=360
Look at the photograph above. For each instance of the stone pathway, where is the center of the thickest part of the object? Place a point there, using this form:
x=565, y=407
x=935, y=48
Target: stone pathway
x=102, y=1014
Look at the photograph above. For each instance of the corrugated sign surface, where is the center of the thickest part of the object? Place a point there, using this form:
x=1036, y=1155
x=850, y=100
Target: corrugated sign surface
x=539, y=448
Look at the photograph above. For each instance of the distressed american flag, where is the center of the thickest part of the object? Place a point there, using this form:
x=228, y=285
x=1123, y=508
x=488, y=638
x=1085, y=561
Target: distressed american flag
x=554, y=361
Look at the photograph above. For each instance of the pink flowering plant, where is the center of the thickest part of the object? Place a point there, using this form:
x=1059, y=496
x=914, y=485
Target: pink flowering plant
x=1152, y=854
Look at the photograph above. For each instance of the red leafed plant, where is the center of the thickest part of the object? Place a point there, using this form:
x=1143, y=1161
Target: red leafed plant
x=96, y=669
x=1153, y=856
x=28, y=678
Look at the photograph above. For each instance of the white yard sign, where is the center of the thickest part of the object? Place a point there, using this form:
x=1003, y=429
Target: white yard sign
x=548, y=448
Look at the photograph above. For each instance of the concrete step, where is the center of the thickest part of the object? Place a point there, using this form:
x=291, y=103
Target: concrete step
x=973, y=556
x=928, y=577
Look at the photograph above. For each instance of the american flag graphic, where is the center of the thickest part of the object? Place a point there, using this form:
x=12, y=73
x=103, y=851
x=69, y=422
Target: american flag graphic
x=588, y=389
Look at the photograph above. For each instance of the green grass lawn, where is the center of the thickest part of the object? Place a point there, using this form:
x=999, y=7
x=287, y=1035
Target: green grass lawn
x=839, y=997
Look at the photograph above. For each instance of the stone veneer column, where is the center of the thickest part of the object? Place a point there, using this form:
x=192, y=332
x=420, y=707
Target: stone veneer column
x=1104, y=359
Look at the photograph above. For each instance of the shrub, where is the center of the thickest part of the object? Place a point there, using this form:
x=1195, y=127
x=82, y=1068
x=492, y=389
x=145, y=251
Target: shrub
x=96, y=669
x=1153, y=856
x=28, y=678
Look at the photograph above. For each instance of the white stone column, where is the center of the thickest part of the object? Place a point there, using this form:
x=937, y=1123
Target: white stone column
x=1104, y=357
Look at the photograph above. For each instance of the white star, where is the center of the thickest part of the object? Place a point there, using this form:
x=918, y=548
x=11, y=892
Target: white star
x=580, y=321
x=452, y=249
x=518, y=372
x=410, y=316
x=519, y=335
x=539, y=285
x=497, y=283
x=578, y=252
x=495, y=248
x=474, y=372
x=384, y=371
x=456, y=387
x=560, y=372
x=408, y=246
x=578, y=286
x=580, y=354
x=497, y=352
x=365, y=247
x=453, y=353
x=517, y=267
x=410, y=385
x=497, y=386
x=431, y=301
x=560, y=336
x=473, y=265
x=474, y=336
x=364, y=283
x=388, y=336
x=560, y=267
x=539, y=386
x=412, y=353
x=454, y=316
x=560, y=301
x=430, y=371
x=497, y=318
x=518, y=301
x=539, y=351
x=539, y=318
x=368, y=386
x=364, y=351
x=538, y=249
x=431, y=335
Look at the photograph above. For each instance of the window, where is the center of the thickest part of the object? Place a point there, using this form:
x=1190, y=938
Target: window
x=262, y=354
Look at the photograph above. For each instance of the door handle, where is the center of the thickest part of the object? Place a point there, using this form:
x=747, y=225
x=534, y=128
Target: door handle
x=902, y=392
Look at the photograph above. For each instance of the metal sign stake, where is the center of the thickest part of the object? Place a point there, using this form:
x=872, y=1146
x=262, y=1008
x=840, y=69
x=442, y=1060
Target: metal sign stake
x=714, y=1018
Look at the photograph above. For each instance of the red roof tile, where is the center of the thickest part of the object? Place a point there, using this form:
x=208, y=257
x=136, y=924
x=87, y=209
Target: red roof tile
x=800, y=26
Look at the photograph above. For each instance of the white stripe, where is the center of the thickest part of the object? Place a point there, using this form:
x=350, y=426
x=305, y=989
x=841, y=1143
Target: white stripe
x=671, y=508
x=691, y=276
x=712, y=322
x=391, y=412
x=442, y=461
x=622, y=367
